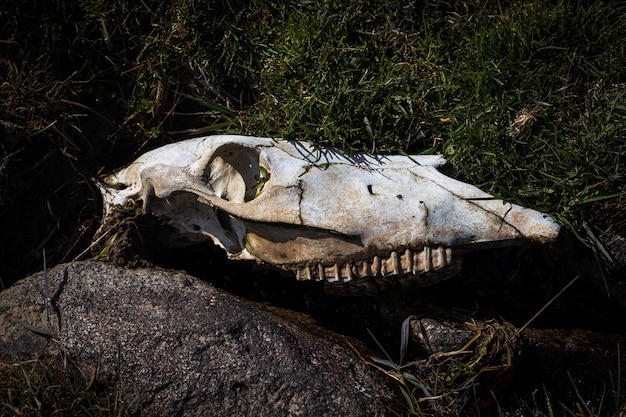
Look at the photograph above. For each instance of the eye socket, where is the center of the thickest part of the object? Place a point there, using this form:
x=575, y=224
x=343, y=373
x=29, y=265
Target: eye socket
x=261, y=179
x=235, y=173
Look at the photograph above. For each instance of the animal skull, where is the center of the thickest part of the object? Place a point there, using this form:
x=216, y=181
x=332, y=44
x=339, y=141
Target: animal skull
x=317, y=211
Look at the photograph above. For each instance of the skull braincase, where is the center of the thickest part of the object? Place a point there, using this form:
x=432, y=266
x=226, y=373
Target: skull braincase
x=308, y=209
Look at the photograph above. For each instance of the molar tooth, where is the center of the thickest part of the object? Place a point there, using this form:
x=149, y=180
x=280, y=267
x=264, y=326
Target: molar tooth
x=395, y=265
x=361, y=268
x=428, y=265
x=321, y=272
x=332, y=273
x=389, y=266
x=416, y=265
x=438, y=258
x=347, y=272
x=406, y=261
x=421, y=261
x=304, y=273
x=375, y=266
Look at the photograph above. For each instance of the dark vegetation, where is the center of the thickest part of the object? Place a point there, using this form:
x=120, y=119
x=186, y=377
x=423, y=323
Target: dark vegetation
x=526, y=99
x=34, y=388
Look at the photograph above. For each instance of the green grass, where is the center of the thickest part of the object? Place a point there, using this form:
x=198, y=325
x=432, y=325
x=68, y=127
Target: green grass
x=521, y=103
x=526, y=99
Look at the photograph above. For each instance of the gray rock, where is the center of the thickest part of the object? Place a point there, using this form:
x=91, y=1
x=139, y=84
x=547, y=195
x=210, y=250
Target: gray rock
x=177, y=346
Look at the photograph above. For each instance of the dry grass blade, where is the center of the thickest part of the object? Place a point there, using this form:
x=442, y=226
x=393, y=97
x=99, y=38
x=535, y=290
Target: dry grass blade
x=521, y=329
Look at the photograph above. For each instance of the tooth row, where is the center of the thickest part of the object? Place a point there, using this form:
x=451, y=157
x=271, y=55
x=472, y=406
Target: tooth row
x=407, y=262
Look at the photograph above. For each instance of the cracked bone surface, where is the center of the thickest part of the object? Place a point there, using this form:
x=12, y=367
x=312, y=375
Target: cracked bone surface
x=319, y=212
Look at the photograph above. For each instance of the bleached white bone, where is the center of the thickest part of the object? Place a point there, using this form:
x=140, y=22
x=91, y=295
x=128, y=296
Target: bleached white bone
x=317, y=211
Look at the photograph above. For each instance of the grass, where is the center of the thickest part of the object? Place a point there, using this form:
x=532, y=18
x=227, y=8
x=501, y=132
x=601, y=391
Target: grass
x=526, y=99
x=37, y=388
x=520, y=103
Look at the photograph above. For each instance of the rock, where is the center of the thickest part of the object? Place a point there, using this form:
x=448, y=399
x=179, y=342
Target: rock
x=179, y=347
x=433, y=336
x=569, y=362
